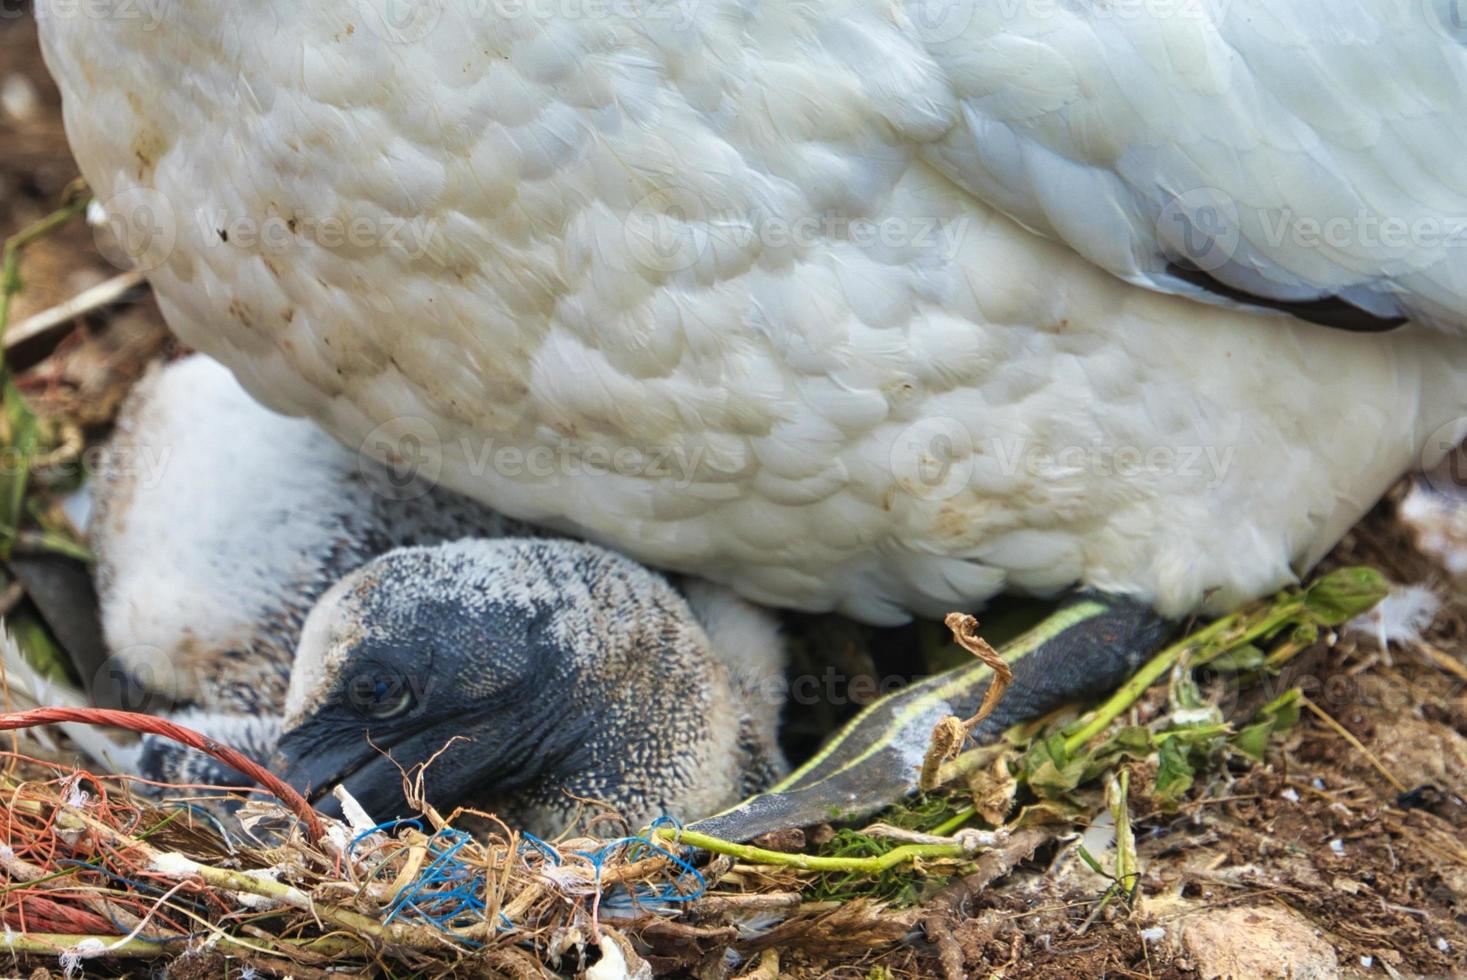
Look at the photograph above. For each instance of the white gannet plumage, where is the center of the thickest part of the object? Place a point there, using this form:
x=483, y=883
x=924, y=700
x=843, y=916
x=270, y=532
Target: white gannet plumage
x=863, y=305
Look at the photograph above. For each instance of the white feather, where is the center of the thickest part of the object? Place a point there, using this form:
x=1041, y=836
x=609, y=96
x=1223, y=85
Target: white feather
x=888, y=278
x=27, y=689
x=1402, y=617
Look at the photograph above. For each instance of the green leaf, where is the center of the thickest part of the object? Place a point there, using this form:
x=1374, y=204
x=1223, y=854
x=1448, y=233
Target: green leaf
x=1089, y=859
x=1280, y=714
x=1246, y=657
x=36, y=645
x=1132, y=742
x=1196, y=736
x=1344, y=594
x=1049, y=780
x=1182, y=692
x=1175, y=772
x=1052, y=811
x=1305, y=634
x=1049, y=770
x=1252, y=741
x=1054, y=747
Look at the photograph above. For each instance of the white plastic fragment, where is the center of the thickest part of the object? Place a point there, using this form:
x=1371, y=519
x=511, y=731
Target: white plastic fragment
x=175, y=865
x=612, y=965
x=356, y=815
x=1154, y=935
x=1290, y=794
x=1337, y=846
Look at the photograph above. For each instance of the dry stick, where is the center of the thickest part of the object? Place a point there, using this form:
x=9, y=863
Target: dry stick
x=1355, y=743
x=1441, y=658
x=87, y=301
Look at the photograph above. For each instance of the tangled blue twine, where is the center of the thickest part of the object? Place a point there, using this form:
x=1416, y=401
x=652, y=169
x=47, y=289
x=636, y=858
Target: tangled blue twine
x=647, y=898
x=447, y=890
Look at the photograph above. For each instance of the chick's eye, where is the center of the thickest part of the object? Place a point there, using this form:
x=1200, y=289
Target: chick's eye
x=381, y=696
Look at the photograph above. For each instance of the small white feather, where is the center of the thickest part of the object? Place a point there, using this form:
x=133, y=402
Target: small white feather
x=1402, y=617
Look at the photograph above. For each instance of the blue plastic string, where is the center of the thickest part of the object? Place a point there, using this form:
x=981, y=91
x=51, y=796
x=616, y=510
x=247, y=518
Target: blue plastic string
x=382, y=828
x=647, y=897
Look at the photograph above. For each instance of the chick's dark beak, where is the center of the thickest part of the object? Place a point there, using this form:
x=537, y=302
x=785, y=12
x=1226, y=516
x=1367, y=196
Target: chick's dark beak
x=463, y=759
x=314, y=766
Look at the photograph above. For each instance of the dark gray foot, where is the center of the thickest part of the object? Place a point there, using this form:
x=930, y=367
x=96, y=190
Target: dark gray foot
x=1084, y=649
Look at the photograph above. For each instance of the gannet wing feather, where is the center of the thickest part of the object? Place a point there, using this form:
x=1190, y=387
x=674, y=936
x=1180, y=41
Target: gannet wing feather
x=1290, y=151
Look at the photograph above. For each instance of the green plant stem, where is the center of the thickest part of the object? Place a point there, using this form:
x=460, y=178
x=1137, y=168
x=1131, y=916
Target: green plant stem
x=810, y=862
x=954, y=823
x=1213, y=639
x=51, y=543
x=17, y=243
x=19, y=422
x=1127, y=863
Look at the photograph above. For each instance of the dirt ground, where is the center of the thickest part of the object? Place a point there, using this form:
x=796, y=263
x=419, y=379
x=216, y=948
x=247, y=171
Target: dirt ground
x=1329, y=859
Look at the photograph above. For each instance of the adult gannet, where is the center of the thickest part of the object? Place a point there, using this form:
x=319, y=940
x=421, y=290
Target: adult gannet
x=873, y=306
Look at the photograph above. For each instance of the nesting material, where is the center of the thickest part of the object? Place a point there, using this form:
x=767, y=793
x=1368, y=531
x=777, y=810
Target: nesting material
x=95, y=870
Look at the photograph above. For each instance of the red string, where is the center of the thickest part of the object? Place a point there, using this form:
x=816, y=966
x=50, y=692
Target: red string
x=153, y=725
